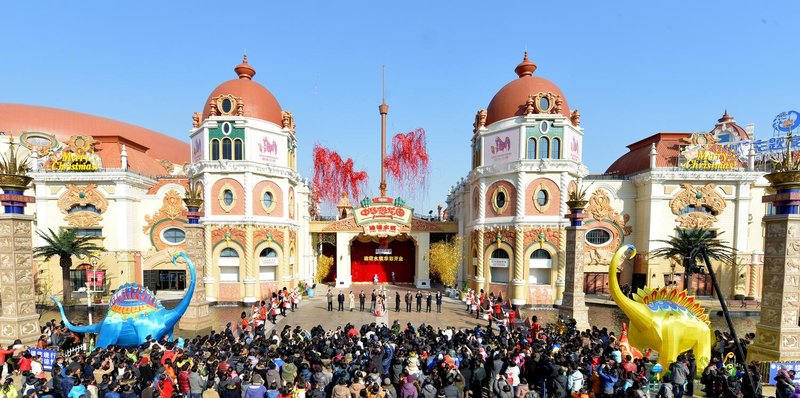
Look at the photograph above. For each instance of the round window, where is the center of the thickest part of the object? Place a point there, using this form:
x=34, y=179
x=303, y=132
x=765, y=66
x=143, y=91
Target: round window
x=500, y=199
x=598, y=237
x=227, y=197
x=227, y=105
x=267, y=199
x=173, y=236
x=541, y=197
x=544, y=127
x=226, y=128
x=544, y=104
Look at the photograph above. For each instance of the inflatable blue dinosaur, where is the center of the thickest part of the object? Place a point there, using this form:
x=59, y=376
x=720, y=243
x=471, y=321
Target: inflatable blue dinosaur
x=134, y=313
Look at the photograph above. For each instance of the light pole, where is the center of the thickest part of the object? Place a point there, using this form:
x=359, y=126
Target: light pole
x=90, y=287
x=701, y=250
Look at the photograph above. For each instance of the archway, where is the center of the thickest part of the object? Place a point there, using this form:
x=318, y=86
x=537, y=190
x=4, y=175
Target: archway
x=329, y=250
x=370, y=258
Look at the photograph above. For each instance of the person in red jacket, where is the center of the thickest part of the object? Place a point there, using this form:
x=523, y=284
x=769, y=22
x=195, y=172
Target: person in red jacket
x=165, y=387
x=24, y=364
x=183, y=380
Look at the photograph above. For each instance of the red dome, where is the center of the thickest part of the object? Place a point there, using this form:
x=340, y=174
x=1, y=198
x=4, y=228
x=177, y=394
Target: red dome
x=146, y=148
x=258, y=102
x=510, y=100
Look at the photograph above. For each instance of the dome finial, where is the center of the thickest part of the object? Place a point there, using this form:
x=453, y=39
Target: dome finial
x=244, y=70
x=526, y=67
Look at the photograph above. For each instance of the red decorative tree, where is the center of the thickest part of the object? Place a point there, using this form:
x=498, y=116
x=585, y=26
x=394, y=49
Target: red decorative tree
x=334, y=176
x=407, y=164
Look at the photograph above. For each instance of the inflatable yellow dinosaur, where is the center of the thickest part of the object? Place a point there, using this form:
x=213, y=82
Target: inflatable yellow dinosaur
x=666, y=320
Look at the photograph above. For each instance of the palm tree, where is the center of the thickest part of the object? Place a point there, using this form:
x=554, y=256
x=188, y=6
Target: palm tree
x=65, y=244
x=682, y=248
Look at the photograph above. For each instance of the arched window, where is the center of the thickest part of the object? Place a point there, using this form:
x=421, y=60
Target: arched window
x=540, y=267
x=499, y=263
x=555, y=153
x=544, y=148
x=89, y=207
x=228, y=265
x=214, y=149
x=268, y=265
x=238, y=150
x=531, y=148
x=226, y=149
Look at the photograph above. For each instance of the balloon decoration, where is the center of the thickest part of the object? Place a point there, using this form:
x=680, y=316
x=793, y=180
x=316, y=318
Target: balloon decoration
x=334, y=176
x=407, y=164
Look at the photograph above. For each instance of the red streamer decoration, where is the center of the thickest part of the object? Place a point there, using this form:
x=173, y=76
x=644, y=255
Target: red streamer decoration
x=334, y=176
x=407, y=164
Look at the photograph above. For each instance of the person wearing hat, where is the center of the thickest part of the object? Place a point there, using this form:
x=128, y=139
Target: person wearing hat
x=256, y=388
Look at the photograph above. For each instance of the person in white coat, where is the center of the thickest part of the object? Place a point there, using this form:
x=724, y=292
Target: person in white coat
x=574, y=380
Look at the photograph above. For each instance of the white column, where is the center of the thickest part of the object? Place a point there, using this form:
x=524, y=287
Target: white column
x=422, y=277
x=519, y=186
x=344, y=277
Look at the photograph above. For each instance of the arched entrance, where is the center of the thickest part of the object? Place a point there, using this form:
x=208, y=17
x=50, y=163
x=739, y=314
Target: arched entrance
x=369, y=257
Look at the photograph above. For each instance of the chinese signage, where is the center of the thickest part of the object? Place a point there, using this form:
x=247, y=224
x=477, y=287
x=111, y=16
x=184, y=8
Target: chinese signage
x=704, y=154
x=383, y=216
x=774, y=367
x=498, y=262
x=501, y=148
x=383, y=258
x=48, y=357
x=95, y=279
x=267, y=261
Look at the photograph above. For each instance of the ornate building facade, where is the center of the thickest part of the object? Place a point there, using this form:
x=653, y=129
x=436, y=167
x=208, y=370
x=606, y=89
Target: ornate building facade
x=527, y=163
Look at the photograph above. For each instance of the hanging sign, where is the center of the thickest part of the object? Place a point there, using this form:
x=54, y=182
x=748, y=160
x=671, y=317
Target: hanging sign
x=383, y=216
x=78, y=154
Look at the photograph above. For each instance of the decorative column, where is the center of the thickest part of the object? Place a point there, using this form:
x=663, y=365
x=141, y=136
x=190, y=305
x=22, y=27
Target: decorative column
x=479, y=278
x=752, y=290
x=197, y=316
x=777, y=333
x=518, y=296
x=251, y=268
x=19, y=319
x=573, y=304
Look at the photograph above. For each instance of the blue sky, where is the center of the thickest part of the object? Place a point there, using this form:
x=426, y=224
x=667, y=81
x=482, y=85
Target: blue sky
x=632, y=68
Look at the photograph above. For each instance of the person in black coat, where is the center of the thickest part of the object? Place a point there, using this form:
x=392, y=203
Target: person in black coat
x=340, y=300
x=408, y=302
x=361, y=298
x=419, y=301
x=439, y=301
x=428, y=300
x=397, y=301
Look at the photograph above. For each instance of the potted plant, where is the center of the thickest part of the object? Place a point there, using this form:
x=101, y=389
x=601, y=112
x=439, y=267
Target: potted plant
x=577, y=198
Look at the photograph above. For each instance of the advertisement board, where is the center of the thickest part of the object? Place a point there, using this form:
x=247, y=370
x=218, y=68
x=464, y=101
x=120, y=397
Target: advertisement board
x=197, y=148
x=268, y=148
x=774, y=367
x=501, y=148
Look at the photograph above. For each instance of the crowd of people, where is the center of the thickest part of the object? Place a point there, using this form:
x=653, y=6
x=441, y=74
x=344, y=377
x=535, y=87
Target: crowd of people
x=522, y=359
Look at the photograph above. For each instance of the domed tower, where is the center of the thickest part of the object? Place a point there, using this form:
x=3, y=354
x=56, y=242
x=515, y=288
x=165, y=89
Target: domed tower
x=526, y=154
x=244, y=153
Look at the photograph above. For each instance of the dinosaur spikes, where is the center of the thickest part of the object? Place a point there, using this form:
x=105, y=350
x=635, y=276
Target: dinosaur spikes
x=685, y=302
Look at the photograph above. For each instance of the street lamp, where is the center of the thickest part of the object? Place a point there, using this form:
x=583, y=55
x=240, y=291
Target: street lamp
x=90, y=286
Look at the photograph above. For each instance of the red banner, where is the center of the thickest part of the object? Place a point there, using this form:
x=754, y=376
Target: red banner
x=95, y=279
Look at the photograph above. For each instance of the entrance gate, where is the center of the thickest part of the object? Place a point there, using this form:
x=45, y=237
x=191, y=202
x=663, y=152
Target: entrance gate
x=369, y=259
